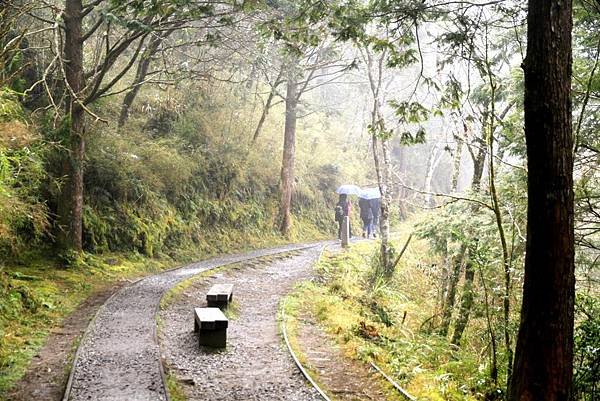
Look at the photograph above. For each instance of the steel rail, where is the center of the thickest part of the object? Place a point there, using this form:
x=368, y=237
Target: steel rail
x=297, y=361
x=90, y=326
x=396, y=386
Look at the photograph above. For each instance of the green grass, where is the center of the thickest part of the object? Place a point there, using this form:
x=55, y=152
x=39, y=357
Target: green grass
x=292, y=307
x=232, y=311
x=366, y=318
x=175, y=391
x=35, y=296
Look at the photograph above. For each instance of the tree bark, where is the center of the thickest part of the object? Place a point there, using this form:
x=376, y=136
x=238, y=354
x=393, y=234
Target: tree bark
x=263, y=115
x=491, y=331
x=457, y=262
x=506, y=263
x=466, y=302
x=433, y=161
x=140, y=77
x=71, y=208
x=289, y=151
x=386, y=203
x=382, y=164
x=456, y=160
x=268, y=105
x=478, y=163
x=543, y=368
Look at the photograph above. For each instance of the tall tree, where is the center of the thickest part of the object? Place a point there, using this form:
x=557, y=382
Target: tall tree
x=71, y=205
x=543, y=368
x=292, y=97
x=113, y=34
x=380, y=136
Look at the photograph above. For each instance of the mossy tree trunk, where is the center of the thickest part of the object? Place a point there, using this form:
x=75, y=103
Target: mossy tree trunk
x=456, y=162
x=450, y=298
x=466, y=302
x=70, y=210
x=289, y=150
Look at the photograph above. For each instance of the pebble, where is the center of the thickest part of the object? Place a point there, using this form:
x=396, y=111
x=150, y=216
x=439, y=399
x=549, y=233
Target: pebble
x=118, y=358
x=256, y=364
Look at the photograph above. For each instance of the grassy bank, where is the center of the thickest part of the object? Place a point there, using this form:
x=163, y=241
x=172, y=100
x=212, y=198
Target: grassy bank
x=387, y=322
x=37, y=295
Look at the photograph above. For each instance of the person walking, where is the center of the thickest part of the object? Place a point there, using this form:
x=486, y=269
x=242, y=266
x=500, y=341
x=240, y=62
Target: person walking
x=342, y=209
x=375, y=205
x=366, y=215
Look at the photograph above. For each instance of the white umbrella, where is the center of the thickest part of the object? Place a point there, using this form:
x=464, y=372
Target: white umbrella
x=370, y=193
x=348, y=189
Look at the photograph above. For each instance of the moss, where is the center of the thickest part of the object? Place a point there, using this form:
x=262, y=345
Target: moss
x=232, y=311
x=174, y=388
x=29, y=308
x=367, y=319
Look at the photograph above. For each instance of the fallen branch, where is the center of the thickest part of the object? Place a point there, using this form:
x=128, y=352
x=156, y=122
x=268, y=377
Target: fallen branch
x=402, y=251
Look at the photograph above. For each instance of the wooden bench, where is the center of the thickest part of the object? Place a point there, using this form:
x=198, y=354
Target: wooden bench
x=219, y=295
x=211, y=326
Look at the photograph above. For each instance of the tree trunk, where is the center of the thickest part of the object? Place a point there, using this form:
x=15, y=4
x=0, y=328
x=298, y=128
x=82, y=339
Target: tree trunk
x=478, y=164
x=289, y=152
x=457, y=262
x=268, y=104
x=140, y=77
x=383, y=164
x=491, y=331
x=434, y=159
x=384, y=217
x=71, y=208
x=543, y=368
x=506, y=264
x=264, y=115
x=456, y=160
x=383, y=171
x=466, y=302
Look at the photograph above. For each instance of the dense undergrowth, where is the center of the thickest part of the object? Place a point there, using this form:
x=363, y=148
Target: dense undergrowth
x=393, y=323
x=384, y=322
x=174, y=184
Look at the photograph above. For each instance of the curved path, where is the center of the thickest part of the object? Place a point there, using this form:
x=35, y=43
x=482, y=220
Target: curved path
x=119, y=357
x=256, y=365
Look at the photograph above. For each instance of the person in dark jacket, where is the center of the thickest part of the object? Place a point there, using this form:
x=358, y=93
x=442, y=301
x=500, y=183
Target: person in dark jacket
x=366, y=215
x=345, y=207
x=375, y=205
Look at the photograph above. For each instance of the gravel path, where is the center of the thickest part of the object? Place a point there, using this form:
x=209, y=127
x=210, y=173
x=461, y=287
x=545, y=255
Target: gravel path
x=118, y=358
x=256, y=364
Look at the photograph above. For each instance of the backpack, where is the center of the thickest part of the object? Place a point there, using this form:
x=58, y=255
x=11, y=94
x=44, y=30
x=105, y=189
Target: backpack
x=339, y=213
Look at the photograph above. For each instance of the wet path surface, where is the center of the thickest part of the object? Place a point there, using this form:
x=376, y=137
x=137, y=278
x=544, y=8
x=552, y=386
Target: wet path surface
x=256, y=364
x=119, y=356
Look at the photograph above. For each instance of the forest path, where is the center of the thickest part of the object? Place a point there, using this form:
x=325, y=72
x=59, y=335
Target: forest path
x=256, y=365
x=119, y=356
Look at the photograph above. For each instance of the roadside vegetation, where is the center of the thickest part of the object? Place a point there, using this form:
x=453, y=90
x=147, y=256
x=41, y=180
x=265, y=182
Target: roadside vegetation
x=386, y=322
x=137, y=135
x=397, y=322
x=172, y=190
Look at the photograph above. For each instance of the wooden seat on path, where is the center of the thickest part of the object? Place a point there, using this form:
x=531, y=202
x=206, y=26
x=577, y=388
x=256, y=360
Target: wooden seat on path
x=219, y=295
x=211, y=326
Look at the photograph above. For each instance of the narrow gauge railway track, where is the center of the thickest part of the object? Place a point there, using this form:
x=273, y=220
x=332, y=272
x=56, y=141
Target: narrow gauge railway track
x=118, y=357
x=313, y=382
